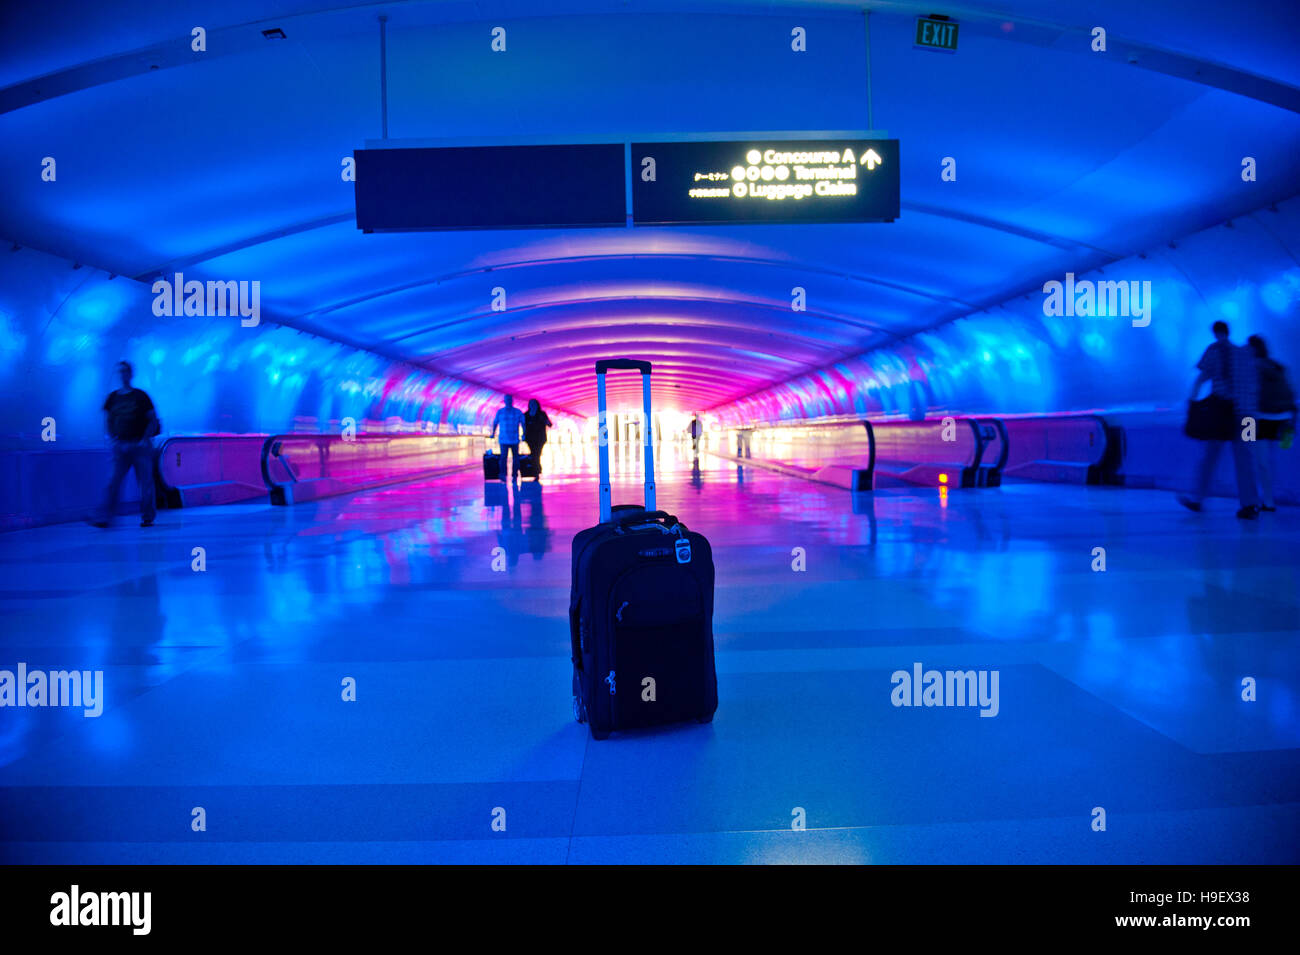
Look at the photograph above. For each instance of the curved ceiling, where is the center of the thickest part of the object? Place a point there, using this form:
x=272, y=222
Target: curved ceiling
x=225, y=164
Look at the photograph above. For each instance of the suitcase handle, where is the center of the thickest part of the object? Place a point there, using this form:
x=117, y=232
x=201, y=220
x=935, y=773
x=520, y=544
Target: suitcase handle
x=640, y=520
x=626, y=364
x=635, y=513
x=602, y=431
x=673, y=531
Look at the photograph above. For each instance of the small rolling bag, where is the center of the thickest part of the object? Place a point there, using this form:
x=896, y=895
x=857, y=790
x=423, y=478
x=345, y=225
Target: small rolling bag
x=491, y=466
x=641, y=605
x=528, y=466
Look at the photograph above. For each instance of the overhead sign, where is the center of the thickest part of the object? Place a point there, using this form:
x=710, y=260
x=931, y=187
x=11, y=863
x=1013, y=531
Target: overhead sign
x=772, y=182
x=490, y=187
x=937, y=33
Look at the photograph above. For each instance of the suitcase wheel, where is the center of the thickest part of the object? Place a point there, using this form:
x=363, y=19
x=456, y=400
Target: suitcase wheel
x=704, y=719
x=579, y=711
x=599, y=734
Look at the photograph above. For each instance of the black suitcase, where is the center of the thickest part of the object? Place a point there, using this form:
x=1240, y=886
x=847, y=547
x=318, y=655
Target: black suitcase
x=491, y=466
x=528, y=467
x=640, y=606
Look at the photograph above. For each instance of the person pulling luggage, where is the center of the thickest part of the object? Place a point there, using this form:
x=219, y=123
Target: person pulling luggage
x=535, y=424
x=509, y=421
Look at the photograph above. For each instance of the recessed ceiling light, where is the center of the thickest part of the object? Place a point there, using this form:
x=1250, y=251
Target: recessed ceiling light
x=275, y=34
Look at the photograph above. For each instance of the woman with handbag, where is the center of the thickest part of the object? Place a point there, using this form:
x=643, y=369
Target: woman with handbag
x=1277, y=417
x=1216, y=419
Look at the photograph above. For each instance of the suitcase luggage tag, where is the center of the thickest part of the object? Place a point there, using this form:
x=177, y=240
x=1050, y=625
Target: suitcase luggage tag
x=683, y=550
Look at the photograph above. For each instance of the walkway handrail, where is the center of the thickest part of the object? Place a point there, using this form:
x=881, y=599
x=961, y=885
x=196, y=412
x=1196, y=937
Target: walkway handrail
x=209, y=469
x=376, y=460
x=899, y=449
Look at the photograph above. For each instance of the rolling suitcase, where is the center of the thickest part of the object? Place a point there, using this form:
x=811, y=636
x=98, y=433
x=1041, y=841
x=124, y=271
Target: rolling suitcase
x=491, y=466
x=528, y=467
x=640, y=605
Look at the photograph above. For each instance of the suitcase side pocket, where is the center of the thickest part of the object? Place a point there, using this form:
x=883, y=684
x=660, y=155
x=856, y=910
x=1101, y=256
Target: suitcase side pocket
x=663, y=673
x=662, y=649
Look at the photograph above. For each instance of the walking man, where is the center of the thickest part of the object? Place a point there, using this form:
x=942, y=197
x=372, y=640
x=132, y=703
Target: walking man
x=1234, y=385
x=510, y=421
x=132, y=422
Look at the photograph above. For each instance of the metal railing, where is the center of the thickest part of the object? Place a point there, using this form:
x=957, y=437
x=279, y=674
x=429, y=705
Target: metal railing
x=300, y=467
x=861, y=455
x=211, y=469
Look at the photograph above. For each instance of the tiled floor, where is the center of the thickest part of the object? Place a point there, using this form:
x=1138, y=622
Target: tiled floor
x=1119, y=689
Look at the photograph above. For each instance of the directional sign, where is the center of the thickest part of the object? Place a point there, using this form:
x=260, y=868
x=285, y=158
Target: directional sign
x=490, y=187
x=775, y=181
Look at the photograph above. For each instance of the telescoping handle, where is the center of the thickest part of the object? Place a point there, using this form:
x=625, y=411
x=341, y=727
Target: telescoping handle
x=602, y=432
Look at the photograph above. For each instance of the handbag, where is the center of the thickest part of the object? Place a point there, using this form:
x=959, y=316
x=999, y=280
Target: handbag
x=1210, y=419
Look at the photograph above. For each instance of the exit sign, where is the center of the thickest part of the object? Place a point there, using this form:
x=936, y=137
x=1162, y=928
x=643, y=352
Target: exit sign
x=936, y=33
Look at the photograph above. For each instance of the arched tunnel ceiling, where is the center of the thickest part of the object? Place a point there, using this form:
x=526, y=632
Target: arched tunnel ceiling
x=225, y=165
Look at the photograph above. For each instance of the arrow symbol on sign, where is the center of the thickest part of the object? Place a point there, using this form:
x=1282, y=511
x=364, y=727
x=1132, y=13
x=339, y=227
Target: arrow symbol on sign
x=871, y=158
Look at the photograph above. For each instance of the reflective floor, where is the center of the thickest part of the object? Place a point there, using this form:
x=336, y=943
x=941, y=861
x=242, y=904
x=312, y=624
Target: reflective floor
x=1119, y=691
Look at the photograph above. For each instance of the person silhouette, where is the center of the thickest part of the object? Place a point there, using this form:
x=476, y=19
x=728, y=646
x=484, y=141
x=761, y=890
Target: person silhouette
x=535, y=424
x=695, y=429
x=510, y=421
x=131, y=422
x=1234, y=383
x=1277, y=417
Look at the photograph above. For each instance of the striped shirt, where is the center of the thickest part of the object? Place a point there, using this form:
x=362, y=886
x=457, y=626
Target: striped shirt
x=510, y=421
x=1233, y=375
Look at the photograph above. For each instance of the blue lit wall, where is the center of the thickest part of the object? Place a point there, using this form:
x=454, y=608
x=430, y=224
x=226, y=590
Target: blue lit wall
x=1013, y=358
x=62, y=331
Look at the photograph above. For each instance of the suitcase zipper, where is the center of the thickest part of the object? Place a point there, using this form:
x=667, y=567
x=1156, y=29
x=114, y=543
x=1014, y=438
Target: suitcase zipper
x=617, y=616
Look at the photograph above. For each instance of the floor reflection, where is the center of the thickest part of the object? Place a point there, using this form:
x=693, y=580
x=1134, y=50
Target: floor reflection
x=1123, y=686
